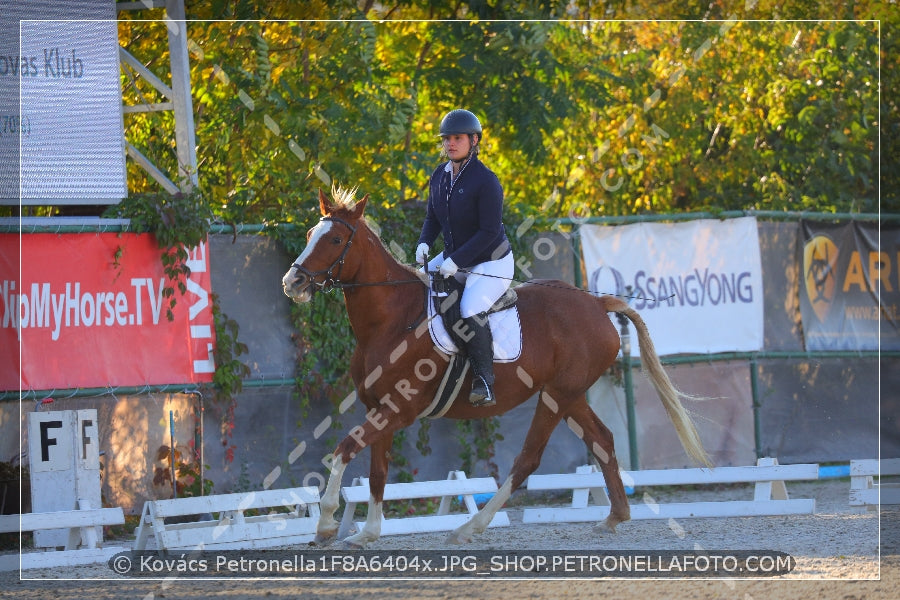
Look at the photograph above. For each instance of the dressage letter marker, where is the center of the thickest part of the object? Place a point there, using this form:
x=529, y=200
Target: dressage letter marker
x=46, y=440
x=65, y=469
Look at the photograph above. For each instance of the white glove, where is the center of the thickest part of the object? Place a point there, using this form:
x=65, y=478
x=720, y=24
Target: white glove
x=449, y=268
x=421, y=253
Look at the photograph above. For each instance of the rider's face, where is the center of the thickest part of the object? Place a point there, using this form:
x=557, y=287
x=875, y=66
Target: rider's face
x=456, y=145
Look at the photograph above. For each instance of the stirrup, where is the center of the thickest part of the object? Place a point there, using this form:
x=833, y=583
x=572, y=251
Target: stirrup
x=481, y=394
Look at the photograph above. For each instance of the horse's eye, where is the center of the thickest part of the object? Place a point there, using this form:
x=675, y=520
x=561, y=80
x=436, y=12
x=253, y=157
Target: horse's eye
x=335, y=240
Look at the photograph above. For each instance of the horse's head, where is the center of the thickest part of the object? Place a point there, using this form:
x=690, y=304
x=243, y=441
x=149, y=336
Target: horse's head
x=327, y=257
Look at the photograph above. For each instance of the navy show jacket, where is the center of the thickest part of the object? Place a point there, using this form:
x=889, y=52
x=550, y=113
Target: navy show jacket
x=468, y=214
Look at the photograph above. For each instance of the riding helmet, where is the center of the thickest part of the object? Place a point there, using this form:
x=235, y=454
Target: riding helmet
x=460, y=121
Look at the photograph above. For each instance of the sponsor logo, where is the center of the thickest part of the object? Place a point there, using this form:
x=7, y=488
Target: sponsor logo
x=820, y=256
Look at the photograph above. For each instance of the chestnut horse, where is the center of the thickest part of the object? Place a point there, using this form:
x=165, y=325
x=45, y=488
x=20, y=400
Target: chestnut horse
x=568, y=342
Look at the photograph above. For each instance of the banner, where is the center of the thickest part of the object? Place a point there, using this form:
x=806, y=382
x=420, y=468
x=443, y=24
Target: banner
x=89, y=310
x=850, y=285
x=698, y=285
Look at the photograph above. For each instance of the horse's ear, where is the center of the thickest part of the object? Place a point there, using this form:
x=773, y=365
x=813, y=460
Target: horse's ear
x=325, y=205
x=359, y=207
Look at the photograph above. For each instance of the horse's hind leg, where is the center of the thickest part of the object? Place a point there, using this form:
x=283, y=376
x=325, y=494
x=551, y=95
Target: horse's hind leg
x=599, y=441
x=545, y=419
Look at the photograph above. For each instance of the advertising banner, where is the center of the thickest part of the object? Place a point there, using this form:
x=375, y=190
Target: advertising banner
x=850, y=285
x=698, y=285
x=90, y=310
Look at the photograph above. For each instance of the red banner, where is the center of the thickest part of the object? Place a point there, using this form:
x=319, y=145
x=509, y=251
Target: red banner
x=88, y=310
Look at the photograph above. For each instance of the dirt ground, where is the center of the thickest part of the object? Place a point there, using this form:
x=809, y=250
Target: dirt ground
x=836, y=550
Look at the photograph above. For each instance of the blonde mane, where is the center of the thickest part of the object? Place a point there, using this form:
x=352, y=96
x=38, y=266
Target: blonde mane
x=344, y=198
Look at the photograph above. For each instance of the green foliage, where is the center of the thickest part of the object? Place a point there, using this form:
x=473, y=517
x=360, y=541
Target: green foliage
x=324, y=348
x=398, y=459
x=178, y=222
x=422, y=438
x=228, y=378
x=600, y=117
x=189, y=481
x=230, y=371
x=477, y=439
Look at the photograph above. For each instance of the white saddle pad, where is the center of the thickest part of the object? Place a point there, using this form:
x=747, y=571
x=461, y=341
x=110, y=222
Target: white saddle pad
x=506, y=330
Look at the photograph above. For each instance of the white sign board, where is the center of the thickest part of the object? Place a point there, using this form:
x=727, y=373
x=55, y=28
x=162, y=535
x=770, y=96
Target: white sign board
x=64, y=456
x=697, y=285
x=61, y=129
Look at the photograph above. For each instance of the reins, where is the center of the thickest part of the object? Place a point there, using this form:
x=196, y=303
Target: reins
x=333, y=282
x=560, y=287
x=340, y=285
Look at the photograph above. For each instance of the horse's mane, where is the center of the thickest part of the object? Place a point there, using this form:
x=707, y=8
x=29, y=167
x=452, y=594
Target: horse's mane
x=344, y=198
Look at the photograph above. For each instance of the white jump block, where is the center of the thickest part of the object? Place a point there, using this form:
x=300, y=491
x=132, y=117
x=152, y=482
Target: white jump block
x=82, y=545
x=864, y=491
x=231, y=528
x=455, y=485
x=770, y=494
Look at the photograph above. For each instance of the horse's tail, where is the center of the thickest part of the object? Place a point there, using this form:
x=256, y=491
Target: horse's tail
x=670, y=396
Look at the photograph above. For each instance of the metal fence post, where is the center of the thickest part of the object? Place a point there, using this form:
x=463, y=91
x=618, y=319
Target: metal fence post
x=754, y=393
x=629, y=388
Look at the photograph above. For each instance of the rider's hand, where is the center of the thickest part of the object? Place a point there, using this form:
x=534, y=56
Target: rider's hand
x=421, y=253
x=449, y=268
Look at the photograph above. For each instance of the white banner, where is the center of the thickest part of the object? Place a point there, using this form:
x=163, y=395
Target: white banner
x=698, y=285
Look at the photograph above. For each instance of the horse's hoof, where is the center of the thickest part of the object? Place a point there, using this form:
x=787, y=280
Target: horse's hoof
x=608, y=525
x=604, y=527
x=456, y=538
x=349, y=544
x=323, y=540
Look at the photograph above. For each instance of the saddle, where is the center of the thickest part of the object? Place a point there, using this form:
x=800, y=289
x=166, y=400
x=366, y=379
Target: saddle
x=446, y=294
x=505, y=326
x=444, y=319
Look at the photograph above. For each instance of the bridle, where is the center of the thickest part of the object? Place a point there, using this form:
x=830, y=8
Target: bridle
x=331, y=281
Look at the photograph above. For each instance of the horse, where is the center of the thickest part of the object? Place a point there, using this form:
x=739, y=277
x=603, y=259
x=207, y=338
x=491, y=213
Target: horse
x=569, y=341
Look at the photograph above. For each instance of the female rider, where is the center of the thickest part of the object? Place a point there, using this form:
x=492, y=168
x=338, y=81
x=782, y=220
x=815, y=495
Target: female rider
x=465, y=206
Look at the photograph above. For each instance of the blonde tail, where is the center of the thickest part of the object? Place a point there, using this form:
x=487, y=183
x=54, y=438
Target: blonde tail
x=668, y=394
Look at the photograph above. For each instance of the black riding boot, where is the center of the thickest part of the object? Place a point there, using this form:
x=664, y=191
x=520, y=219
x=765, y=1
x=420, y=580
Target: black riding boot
x=481, y=357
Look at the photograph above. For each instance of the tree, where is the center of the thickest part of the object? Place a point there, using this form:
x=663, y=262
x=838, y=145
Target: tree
x=581, y=117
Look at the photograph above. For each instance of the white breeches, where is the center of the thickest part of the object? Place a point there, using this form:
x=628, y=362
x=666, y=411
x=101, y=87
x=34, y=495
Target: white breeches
x=485, y=282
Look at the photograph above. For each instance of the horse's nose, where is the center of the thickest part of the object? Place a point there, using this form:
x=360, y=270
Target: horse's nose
x=293, y=280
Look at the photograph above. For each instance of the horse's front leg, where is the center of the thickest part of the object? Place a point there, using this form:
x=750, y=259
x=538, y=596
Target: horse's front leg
x=376, y=432
x=327, y=527
x=378, y=470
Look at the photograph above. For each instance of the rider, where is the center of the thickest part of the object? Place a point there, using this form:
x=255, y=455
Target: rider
x=465, y=205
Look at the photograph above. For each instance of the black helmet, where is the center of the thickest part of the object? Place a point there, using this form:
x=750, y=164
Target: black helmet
x=460, y=121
